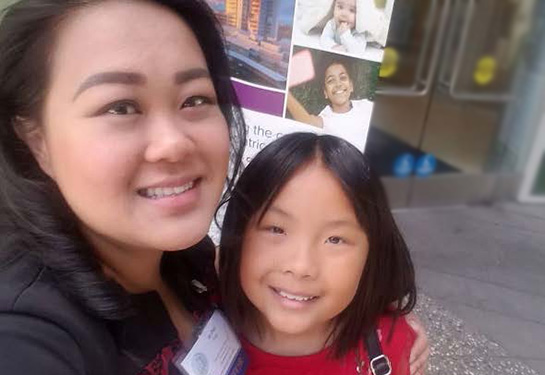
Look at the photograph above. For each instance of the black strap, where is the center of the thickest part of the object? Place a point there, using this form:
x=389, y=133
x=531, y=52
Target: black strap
x=378, y=362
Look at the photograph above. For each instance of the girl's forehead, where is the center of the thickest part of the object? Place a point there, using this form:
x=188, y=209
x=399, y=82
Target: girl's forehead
x=335, y=69
x=347, y=3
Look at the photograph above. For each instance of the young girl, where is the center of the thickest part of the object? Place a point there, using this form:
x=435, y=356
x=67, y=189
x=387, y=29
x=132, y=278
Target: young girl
x=339, y=33
x=312, y=263
x=343, y=117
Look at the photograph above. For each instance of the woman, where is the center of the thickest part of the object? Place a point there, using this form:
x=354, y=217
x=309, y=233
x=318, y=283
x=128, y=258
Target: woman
x=116, y=126
x=343, y=116
x=116, y=121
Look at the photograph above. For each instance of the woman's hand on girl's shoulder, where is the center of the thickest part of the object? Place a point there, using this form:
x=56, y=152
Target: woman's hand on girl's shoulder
x=420, y=351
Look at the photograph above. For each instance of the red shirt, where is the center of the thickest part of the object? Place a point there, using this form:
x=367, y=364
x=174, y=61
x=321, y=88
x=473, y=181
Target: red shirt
x=397, y=349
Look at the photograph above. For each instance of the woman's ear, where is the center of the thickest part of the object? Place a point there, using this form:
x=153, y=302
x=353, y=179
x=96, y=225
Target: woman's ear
x=33, y=136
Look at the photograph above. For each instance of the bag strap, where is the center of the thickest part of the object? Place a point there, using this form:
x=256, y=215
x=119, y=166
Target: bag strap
x=378, y=362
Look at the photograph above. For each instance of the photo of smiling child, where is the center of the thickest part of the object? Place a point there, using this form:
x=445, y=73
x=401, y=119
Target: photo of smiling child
x=357, y=28
x=337, y=97
x=340, y=33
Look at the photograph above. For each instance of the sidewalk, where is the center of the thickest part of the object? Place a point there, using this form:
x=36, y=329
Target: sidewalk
x=481, y=273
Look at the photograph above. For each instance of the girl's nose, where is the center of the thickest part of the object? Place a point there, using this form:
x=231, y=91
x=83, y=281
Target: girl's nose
x=168, y=141
x=301, y=261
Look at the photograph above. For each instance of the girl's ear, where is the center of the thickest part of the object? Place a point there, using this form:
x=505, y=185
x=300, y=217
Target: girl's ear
x=33, y=136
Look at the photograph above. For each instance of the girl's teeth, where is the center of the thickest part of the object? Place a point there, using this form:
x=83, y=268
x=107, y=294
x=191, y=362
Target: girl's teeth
x=293, y=297
x=156, y=193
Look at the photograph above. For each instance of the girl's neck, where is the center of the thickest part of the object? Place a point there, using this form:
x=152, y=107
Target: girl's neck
x=271, y=341
x=342, y=108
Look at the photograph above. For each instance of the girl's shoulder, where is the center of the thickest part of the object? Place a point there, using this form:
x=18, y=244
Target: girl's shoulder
x=395, y=335
x=396, y=339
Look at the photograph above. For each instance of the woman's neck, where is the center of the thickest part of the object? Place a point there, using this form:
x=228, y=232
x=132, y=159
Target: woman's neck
x=137, y=270
x=272, y=341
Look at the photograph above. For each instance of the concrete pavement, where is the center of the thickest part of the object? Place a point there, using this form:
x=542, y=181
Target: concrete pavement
x=481, y=272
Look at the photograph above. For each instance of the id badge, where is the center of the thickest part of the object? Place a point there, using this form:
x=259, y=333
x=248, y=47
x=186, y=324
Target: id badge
x=216, y=351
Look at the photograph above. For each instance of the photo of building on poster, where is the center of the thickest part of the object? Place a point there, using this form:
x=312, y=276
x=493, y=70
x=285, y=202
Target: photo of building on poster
x=305, y=65
x=258, y=35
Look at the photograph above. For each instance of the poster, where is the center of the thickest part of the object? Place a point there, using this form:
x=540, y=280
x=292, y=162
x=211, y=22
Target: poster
x=304, y=65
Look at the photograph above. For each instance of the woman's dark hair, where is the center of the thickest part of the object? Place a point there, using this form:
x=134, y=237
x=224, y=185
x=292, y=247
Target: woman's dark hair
x=387, y=284
x=31, y=200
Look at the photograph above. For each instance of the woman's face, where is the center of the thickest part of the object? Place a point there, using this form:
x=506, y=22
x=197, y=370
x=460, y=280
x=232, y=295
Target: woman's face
x=131, y=130
x=338, y=87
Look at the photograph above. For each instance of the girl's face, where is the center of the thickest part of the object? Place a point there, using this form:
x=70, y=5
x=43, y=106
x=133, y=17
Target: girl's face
x=302, y=263
x=338, y=87
x=131, y=131
x=344, y=11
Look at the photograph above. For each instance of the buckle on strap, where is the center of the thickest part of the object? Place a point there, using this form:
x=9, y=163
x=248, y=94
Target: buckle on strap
x=381, y=365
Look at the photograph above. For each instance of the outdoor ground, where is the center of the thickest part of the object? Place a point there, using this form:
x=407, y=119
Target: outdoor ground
x=481, y=274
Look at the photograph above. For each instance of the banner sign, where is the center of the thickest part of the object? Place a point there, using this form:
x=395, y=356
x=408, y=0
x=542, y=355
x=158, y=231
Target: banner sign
x=305, y=65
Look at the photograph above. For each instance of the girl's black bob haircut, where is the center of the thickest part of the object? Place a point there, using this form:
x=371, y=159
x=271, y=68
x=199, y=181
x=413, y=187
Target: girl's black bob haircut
x=387, y=285
x=32, y=209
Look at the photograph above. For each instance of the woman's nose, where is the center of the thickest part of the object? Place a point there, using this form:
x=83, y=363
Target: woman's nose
x=169, y=141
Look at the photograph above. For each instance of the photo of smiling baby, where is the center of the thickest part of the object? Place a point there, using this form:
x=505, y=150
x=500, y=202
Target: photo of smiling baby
x=336, y=95
x=357, y=28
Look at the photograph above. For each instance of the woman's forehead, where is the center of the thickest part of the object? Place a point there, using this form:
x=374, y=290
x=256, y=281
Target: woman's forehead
x=124, y=36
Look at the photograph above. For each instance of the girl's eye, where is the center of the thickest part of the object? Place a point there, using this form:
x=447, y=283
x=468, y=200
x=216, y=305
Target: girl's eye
x=196, y=101
x=335, y=240
x=122, y=109
x=275, y=230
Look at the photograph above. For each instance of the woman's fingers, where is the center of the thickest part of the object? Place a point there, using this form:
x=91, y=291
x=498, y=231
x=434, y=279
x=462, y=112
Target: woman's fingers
x=420, y=351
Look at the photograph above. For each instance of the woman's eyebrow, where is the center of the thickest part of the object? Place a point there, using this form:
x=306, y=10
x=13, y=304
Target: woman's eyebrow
x=190, y=75
x=125, y=78
x=131, y=78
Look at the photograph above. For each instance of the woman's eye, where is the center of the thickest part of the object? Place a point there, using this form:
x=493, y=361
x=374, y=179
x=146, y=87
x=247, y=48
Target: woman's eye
x=122, y=109
x=196, y=101
x=335, y=240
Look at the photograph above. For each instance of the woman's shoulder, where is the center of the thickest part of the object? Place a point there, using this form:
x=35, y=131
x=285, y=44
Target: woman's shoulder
x=36, y=319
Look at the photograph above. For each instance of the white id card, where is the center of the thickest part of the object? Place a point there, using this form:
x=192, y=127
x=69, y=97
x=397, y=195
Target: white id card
x=217, y=351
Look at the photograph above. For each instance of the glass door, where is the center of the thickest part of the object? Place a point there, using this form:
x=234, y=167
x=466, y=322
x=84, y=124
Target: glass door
x=446, y=82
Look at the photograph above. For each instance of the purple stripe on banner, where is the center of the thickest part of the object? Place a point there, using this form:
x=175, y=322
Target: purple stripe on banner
x=260, y=100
